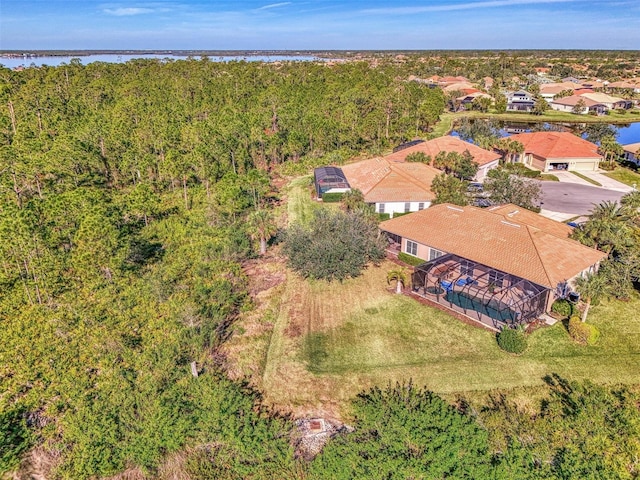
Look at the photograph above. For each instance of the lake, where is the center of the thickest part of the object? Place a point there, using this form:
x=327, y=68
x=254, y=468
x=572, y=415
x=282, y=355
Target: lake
x=54, y=61
x=625, y=134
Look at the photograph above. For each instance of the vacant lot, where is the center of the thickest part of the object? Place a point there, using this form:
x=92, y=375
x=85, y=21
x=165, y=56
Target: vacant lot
x=626, y=176
x=311, y=346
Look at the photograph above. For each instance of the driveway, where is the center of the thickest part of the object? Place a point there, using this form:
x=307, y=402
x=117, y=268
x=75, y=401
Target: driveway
x=606, y=182
x=574, y=198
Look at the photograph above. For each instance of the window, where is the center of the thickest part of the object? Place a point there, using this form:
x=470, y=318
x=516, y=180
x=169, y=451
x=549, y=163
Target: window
x=466, y=268
x=381, y=208
x=421, y=206
x=433, y=254
x=407, y=207
x=412, y=248
x=496, y=278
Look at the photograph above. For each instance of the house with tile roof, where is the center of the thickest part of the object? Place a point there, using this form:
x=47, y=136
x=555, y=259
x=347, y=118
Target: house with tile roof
x=610, y=102
x=578, y=104
x=548, y=151
x=502, y=265
x=485, y=159
x=632, y=153
x=520, y=101
x=392, y=187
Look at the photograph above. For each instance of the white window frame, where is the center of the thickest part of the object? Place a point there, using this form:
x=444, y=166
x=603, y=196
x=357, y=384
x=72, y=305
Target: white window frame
x=381, y=208
x=467, y=268
x=434, y=253
x=407, y=207
x=411, y=248
x=497, y=278
x=421, y=206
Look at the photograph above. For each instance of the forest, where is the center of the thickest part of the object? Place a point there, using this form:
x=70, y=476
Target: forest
x=126, y=198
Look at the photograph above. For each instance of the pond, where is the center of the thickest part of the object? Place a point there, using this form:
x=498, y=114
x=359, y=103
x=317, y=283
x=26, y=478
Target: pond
x=625, y=134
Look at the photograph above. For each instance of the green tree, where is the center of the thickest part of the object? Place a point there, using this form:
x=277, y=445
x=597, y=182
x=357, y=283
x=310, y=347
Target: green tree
x=399, y=276
x=336, y=246
x=591, y=287
x=504, y=187
x=449, y=189
x=405, y=432
x=262, y=227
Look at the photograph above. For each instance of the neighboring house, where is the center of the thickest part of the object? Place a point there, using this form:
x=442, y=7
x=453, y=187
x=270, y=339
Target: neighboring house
x=624, y=86
x=464, y=102
x=485, y=159
x=547, y=151
x=329, y=180
x=501, y=265
x=392, y=187
x=632, y=153
x=520, y=101
x=610, y=102
x=550, y=90
x=570, y=104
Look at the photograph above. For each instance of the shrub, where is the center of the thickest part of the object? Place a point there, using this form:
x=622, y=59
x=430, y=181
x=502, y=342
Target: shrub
x=562, y=307
x=581, y=332
x=410, y=259
x=384, y=216
x=336, y=245
x=332, y=197
x=512, y=340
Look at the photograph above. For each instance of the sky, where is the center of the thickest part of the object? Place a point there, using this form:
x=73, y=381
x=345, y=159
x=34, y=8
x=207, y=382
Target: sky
x=319, y=24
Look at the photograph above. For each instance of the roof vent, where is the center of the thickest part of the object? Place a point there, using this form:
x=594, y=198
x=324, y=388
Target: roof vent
x=511, y=224
x=454, y=208
x=511, y=214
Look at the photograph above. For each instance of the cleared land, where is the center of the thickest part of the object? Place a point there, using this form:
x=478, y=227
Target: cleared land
x=312, y=346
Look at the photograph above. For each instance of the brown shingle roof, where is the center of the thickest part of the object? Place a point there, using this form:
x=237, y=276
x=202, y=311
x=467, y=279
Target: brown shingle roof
x=520, y=244
x=383, y=181
x=447, y=143
x=557, y=145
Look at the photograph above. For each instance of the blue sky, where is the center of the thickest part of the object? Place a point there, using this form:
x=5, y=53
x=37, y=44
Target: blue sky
x=319, y=24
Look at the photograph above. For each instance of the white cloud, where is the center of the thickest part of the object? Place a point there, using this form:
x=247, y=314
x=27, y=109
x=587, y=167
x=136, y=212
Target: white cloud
x=126, y=11
x=274, y=5
x=458, y=6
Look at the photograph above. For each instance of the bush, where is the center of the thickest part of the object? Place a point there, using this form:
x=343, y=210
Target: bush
x=337, y=245
x=512, y=340
x=332, y=197
x=410, y=259
x=384, y=216
x=562, y=307
x=581, y=332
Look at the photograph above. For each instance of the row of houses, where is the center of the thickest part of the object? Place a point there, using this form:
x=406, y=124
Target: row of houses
x=499, y=265
x=393, y=185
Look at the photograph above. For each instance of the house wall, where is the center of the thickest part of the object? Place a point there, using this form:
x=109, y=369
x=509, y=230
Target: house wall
x=484, y=169
x=400, y=207
x=630, y=157
x=423, y=250
x=566, y=108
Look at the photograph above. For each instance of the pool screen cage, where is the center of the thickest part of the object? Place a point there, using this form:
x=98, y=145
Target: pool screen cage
x=481, y=292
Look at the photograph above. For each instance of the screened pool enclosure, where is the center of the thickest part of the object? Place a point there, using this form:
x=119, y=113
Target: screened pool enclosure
x=492, y=297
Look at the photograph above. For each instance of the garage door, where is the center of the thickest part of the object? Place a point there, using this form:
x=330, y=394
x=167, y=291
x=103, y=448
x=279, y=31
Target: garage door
x=586, y=166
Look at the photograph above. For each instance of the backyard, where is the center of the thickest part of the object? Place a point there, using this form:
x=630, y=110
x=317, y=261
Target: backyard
x=311, y=346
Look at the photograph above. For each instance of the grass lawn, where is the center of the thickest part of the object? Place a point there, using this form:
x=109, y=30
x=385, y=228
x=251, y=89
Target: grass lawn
x=311, y=346
x=625, y=175
x=587, y=179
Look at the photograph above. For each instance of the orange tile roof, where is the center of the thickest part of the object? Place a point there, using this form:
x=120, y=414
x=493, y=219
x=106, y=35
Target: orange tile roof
x=573, y=100
x=447, y=143
x=382, y=181
x=631, y=147
x=557, y=145
x=520, y=244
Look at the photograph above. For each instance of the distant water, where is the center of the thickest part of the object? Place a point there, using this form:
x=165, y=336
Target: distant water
x=625, y=134
x=54, y=61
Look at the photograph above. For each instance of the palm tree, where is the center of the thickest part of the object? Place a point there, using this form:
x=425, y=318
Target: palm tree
x=591, y=288
x=399, y=276
x=262, y=228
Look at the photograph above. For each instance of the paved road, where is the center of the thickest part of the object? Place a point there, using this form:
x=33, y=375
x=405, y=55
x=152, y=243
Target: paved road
x=574, y=198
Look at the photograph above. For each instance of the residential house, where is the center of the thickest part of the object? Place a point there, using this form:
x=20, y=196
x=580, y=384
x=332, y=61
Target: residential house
x=520, y=101
x=550, y=90
x=392, y=187
x=465, y=101
x=547, y=151
x=485, y=159
x=610, y=102
x=501, y=265
x=571, y=105
x=625, y=86
x=632, y=153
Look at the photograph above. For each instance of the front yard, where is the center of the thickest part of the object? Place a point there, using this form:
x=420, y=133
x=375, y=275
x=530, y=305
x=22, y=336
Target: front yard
x=625, y=175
